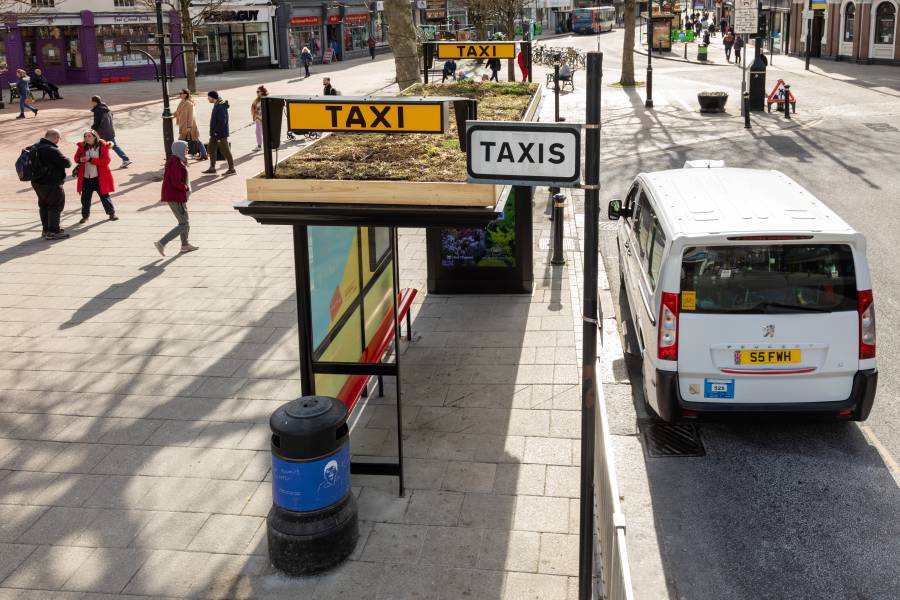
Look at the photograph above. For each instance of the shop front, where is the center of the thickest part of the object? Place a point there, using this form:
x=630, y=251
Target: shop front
x=236, y=40
x=305, y=32
x=778, y=18
x=86, y=47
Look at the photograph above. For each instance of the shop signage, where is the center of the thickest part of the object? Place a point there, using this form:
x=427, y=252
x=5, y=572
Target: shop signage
x=357, y=18
x=307, y=20
x=368, y=115
x=334, y=19
x=523, y=153
x=476, y=50
x=809, y=14
x=818, y=5
x=221, y=16
x=132, y=19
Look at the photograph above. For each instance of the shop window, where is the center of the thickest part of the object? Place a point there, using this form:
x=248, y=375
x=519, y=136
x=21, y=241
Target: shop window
x=112, y=40
x=43, y=3
x=207, y=50
x=849, y=19
x=257, y=40
x=885, y=19
x=50, y=54
x=123, y=3
x=4, y=66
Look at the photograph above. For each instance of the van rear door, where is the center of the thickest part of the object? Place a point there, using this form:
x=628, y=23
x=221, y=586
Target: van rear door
x=768, y=323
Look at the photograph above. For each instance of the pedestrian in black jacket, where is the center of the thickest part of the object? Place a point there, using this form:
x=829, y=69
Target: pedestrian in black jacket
x=218, y=133
x=48, y=184
x=103, y=125
x=39, y=82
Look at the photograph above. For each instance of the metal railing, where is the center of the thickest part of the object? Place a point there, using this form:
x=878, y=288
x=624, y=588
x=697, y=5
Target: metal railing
x=614, y=578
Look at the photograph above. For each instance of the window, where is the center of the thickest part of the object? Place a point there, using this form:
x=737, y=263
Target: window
x=123, y=3
x=765, y=279
x=849, y=19
x=645, y=225
x=379, y=246
x=111, y=41
x=885, y=18
x=43, y=3
x=3, y=64
x=207, y=50
x=657, y=248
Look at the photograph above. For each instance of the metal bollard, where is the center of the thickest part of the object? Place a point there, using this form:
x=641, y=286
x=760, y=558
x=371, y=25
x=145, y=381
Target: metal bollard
x=747, y=110
x=559, y=205
x=787, y=101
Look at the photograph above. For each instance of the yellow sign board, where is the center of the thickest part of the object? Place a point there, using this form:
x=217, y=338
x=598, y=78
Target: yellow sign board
x=818, y=5
x=476, y=50
x=377, y=116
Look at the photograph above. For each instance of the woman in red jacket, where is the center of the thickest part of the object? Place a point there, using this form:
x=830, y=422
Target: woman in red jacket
x=92, y=158
x=176, y=189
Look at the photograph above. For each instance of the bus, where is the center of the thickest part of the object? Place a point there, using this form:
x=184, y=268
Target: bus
x=593, y=20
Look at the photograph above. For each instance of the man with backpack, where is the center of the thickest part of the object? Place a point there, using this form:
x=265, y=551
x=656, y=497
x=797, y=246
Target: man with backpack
x=45, y=167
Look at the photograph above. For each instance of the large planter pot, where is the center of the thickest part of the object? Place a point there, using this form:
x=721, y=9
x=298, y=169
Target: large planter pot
x=712, y=102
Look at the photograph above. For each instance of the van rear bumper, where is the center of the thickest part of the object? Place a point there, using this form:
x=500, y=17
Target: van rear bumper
x=671, y=405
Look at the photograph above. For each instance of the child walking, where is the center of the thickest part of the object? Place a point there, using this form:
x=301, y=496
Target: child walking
x=176, y=189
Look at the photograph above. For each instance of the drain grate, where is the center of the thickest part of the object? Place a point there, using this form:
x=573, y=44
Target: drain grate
x=881, y=127
x=663, y=439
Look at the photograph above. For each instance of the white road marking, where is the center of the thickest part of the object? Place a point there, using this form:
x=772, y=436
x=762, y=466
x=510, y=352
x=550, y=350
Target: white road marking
x=889, y=461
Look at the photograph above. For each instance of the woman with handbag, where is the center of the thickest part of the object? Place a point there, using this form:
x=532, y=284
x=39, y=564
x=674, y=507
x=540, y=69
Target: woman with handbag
x=187, y=125
x=94, y=175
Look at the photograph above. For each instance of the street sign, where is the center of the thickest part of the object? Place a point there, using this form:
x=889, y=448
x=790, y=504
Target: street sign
x=777, y=95
x=808, y=14
x=368, y=115
x=454, y=50
x=532, y=154
x=746, y=20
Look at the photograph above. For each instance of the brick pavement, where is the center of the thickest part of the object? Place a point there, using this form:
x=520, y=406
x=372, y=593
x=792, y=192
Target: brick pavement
x=136, y=393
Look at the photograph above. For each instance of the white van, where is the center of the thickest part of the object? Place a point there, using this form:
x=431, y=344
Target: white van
x=747, y=294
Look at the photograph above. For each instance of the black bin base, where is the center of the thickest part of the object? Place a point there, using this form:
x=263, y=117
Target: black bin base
x=309, y=543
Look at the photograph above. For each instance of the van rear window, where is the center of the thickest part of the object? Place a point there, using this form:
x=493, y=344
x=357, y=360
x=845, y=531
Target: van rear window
x=768, y=278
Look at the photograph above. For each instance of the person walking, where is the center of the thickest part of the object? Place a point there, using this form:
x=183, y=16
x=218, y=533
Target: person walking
x=218, y=134
x=48, y=184
x=728, y=41
x=327, y=89
x=494, y=65
x=92, y=162
x=738, y=47
x=187, y=125
x=521, y=60
x=371, y=44
x=39, y=82
x=256, y=114
x=103, y=125
x=23, y=89
x=306, y=59
x=176, y=189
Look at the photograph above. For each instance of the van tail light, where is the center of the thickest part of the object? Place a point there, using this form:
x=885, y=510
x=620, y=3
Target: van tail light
x=668, y=327
x=865, y=305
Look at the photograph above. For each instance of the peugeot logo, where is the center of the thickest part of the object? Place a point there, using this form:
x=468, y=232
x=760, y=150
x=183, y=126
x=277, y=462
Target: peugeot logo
x=769, y=331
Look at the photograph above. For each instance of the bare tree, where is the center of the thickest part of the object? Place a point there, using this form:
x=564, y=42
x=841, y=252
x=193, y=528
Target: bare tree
x=479, y=13
x=16, y=9
x=402, y=37
x=627, y=78
x=505, y=13
x=188, y=23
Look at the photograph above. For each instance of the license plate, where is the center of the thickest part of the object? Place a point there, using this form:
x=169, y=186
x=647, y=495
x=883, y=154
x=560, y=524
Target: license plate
x=767, y=357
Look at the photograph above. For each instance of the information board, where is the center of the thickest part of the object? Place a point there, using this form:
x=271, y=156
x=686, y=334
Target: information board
x=746, y=20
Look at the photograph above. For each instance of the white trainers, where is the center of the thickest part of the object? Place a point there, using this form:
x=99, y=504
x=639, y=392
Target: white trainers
x=160, y=248
x=187, y=248
x=125, y=164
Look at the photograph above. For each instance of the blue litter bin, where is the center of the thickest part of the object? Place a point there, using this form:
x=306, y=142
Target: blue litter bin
x=312, y=525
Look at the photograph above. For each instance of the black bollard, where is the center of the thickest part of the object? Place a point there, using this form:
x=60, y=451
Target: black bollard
x=746, y=101
x=559, y=205
x=556, y=90
x=787, y=101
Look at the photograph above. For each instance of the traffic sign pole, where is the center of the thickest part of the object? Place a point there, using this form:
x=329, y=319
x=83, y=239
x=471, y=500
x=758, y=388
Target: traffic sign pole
x=809, y=23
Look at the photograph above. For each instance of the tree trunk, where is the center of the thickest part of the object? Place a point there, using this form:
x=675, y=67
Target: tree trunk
x=628, y=46
x=187, y=37
x=402, y=38
x=511, y=35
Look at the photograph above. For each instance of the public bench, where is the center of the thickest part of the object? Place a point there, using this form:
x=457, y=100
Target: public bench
x=563, y=83
x=357, y=385
x=14, y=92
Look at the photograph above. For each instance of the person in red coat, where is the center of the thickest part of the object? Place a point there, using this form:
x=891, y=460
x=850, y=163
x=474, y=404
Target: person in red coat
x=92, y=160
x=176, y=189
x=521, y=60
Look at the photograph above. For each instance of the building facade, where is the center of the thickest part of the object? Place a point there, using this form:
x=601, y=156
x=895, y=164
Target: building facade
x=239, y=36
x=854, y=30
x=84, y=41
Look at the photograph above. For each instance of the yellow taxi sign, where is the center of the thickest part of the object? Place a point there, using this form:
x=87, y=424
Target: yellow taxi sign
x=362, y=115
x=476, y=50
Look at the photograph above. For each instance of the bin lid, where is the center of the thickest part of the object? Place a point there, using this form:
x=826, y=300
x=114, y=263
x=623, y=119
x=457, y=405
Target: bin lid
x=308, y=427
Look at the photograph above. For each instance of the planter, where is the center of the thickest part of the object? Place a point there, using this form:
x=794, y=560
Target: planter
x=407, y=193
x=712, y=102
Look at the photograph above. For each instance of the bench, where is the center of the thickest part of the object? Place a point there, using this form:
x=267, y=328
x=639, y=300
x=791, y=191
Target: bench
x=356, y=386
x=14, y=92
x=563, y=83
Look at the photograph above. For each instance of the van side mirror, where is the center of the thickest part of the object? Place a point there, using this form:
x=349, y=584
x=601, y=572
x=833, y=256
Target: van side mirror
x=615, y=210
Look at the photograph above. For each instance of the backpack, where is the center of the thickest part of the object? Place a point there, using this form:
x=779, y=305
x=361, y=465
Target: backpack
x=28, y=165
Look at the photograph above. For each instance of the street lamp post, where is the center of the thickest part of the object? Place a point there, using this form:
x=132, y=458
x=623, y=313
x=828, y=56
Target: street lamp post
x=809, y=23
x=649, y=102
x=161, y=72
